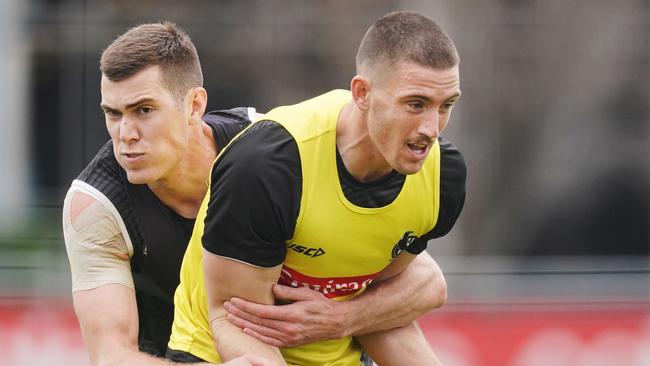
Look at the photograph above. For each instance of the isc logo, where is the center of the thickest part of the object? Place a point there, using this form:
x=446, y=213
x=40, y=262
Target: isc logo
x=311, y=252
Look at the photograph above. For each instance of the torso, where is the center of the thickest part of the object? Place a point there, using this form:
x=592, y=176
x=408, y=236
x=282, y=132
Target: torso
x=330, y=233
x=338, y=248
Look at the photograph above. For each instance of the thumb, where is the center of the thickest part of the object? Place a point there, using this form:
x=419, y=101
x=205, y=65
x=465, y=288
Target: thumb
x=291, y=294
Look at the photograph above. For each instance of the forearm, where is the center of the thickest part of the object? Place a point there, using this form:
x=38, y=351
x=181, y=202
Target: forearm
x=130, y=356
x=111, y=333
x=399, y=346
x=397, y=301
x=231, y=343
x=111, y=336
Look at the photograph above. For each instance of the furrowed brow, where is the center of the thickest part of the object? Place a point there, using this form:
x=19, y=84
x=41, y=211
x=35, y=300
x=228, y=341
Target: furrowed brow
x=419, y=97
x=139, y=101
x=454, y=97
x=106, y=108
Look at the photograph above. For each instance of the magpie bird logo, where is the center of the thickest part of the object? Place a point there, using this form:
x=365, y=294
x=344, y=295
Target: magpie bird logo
x=407, y=239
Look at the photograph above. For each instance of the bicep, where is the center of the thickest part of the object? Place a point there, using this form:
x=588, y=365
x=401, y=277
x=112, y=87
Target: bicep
x=424, y=262
x=397, y=266
x=226, y=278
x=96, y=248
x=252, y=209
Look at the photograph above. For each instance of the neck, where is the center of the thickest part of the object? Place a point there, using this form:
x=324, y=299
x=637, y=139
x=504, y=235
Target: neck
x=184, y=189
x=359, y=154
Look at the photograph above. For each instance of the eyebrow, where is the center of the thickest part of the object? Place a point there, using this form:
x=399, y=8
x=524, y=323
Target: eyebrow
x=455, y=96
x=128, y=106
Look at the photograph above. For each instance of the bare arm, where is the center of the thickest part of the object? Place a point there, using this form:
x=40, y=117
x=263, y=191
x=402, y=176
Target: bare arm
x=99, y=262
x=399, y=300
x=101, y=275
x=399, y=345
x=225, y=278
x=111, y=335
x=312, y=317
x=111, y=332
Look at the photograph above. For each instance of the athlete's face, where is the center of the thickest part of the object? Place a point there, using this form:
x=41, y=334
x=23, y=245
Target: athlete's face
x=149, y=126
x=408, y=107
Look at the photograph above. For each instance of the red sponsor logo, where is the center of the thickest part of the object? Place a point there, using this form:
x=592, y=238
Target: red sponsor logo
x=328, y=286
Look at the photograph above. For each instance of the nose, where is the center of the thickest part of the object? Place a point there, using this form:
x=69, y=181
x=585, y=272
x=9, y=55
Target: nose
x=128, y=130
x=430, y=125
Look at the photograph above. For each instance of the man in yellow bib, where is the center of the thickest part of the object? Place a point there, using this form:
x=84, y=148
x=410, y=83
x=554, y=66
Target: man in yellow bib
x=334, y=194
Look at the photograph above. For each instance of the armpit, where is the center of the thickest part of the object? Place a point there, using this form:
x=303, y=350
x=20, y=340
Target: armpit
x=97, y=251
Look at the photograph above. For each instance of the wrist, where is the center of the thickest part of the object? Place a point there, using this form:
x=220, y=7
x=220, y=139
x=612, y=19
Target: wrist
x=348, y=323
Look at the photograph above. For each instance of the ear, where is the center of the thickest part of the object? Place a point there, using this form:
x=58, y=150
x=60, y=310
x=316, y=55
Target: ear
x=360, y=89
x=198, y=98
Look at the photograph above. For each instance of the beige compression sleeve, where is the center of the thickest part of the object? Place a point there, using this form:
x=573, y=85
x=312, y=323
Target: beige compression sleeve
x=97, y=251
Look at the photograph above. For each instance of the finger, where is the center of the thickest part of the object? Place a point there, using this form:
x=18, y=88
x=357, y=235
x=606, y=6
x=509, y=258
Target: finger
x=288, y=293
x=279, y=312
x=236, y=312
x=268, y=340
x=272, y=336
x=269, y=329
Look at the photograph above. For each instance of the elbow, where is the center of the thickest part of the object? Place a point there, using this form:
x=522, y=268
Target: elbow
x=218, y=322
x=441, y=293
x=116, y=349
x=220, y=328
x=106, y=358
x=437, y=293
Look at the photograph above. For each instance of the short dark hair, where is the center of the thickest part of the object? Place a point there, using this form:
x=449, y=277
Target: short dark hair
x=409, y=36
x=156, y=44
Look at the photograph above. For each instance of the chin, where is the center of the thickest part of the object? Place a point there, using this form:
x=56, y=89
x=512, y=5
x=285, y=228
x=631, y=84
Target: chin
x=138, y=177
x=410, y=169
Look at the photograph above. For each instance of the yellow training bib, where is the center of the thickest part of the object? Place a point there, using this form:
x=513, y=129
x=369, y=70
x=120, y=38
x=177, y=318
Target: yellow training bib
x=338, y=248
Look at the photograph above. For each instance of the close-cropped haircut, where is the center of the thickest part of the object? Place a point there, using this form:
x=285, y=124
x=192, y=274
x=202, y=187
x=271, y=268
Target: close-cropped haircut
x=158, y=44
x=406, y=36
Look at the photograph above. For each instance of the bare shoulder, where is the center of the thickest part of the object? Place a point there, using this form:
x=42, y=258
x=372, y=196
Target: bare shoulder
x=79, y=201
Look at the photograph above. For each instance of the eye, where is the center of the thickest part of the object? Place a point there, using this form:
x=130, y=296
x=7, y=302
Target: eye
x=415, y=105
x=145, y=109
x=111, y=114
x=447, y=106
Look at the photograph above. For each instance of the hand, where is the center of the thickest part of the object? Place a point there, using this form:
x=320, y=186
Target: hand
x=248, y=360
x=310, y=317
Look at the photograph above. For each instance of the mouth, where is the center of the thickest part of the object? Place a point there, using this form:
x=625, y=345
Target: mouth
x=131, y=157
x=420, y=150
